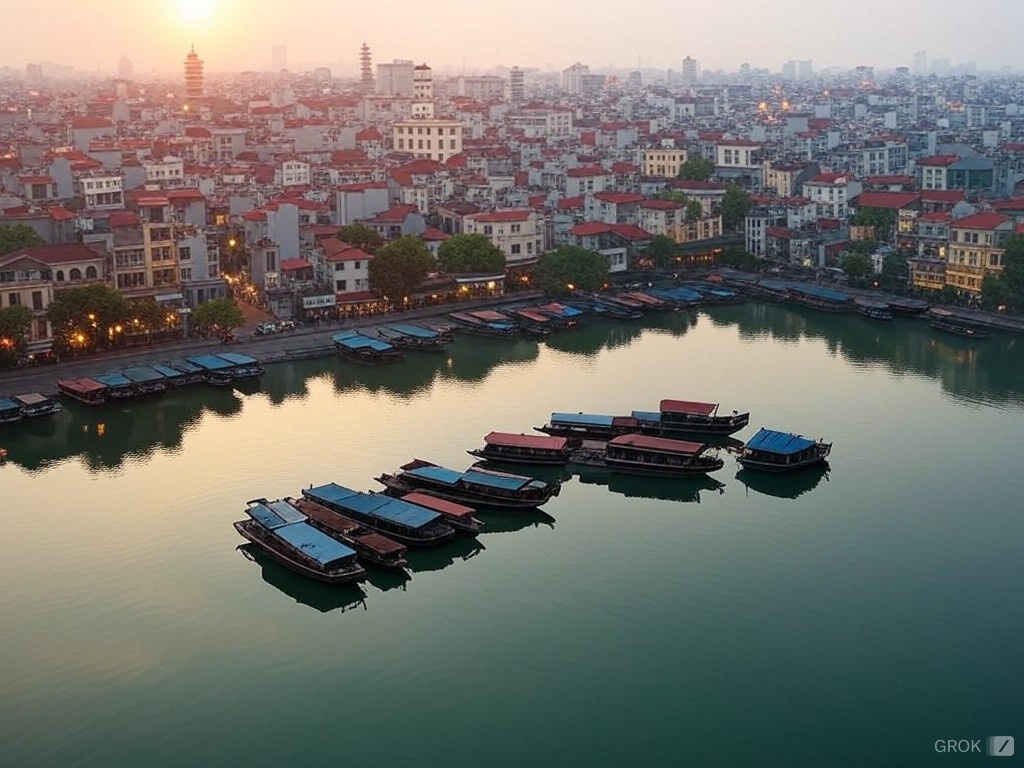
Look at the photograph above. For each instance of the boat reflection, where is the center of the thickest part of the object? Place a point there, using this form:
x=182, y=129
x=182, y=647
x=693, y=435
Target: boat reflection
x=386, y=579
x=684, y=489
x=784, y=485
x=318, y=595
x=436, y=558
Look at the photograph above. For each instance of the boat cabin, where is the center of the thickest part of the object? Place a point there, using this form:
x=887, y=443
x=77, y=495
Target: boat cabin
x=776, y=451
x=393, y=517
x=86, y=391
x=10, y=411
x=34, y=404
x=146, y=380
x=119, y=386
x=216, y=370
x=242, y=366
x=527, y=449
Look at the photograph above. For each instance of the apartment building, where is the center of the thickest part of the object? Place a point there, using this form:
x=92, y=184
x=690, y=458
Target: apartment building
x=518, y=233
x=976, y=249
x=433, y=139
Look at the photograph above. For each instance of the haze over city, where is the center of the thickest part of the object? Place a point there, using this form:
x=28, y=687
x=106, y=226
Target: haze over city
x=238, y=34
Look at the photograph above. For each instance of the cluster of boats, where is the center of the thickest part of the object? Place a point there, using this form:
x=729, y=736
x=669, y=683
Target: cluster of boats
x=388, y=343
x=220, y=370
x=30, y=405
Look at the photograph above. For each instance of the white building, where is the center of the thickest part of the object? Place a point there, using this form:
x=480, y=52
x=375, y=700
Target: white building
x=396, y=78
x=663, y=162
x=541, y=122
x=573, y=77
x=292, y=172
x=102, y=191
x=166, y=170
x=738, y=154
x=516, y=232
x=422, y=92
x=831, y=194
x=435, y=139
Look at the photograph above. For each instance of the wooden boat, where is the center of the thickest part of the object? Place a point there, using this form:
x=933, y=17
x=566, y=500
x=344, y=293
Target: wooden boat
x=470, y=323
x=371, y=546
x=85, y=391
x=817, y=297
x=770, y=290
x=948, y=322
x=457, y=516
x=119, y=386
x=562, y=314
x=586, y=426
x=873, y=310
x=172, y=376
x=534, y=321
x=678, y=298
x=190, y=373
x=10, y=411
x=773, y=451
x=417, y=337
x=394, y=518
x=903, y=306
x=146, y=380
x=216, y=370
x=693, y=418
x=363, y=349
x=284, y=533
x=647, y=455
x=523, y=449
x=646, y=301
x=35, y=405
x=242, y=366
x=475, y=486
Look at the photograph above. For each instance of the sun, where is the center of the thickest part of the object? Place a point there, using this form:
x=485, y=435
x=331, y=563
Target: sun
x=195, y=11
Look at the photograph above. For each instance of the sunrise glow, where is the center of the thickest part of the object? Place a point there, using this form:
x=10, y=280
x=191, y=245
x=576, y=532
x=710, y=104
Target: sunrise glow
x=194, y=11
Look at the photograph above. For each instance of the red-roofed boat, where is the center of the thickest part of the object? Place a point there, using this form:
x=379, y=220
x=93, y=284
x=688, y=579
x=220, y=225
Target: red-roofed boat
x=456, y=515
x=85, y=391
x=372, y=547
x=688, y=417
x=647, y=455
x=524, y=449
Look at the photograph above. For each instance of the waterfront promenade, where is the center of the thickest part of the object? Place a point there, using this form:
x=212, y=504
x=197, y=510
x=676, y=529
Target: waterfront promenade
x=279, y=347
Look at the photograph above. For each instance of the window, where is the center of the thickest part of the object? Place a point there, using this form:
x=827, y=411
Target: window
x=37, y=301
x=339, y=267
x=516, y=228
x=419, y=143
x=90, y=273
x=451, y=144
x=358, y=265
x=488, y=230
x=75, y=274
x=13, y=299
x=342, y=285
x=993, y=260
x=515, y=249
x=401, y=143
x=42, y=329
x=185, y=253
x=213, y=270
x=60, y=275
x=186, y=273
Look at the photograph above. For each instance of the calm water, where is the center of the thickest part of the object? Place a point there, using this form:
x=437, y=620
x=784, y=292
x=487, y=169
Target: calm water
x=840, y=620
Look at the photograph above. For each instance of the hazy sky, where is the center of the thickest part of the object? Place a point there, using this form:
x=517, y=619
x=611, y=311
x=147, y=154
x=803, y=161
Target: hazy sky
x=238, y=34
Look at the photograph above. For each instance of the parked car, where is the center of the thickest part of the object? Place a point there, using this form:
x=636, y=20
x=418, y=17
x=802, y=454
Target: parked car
x=266, y=329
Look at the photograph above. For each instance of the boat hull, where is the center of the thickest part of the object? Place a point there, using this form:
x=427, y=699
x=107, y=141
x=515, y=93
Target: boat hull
x=551, y=461
x=397, y=487
x=441, y=534
x=248, y=531
x=963, y=331
x=633, y=468
x=760, y=465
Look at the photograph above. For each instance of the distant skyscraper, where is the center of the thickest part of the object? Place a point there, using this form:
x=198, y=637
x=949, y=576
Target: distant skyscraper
x=572, y=77
x=689, y=70
x=193, y=77
x=744, y=69
x=920, y=65
x=365, y=68
x=516, y=85
x=789, y=70
x=278, y=58
x=635, y=80
x=804, y=69
x=395, y=79
x=125, y=68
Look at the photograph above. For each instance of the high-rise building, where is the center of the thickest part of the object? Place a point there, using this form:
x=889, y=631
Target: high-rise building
x=789, y=70
x=278, y=58
x=125, y=68
x=395, y=79
x=193, y=77
x=516, y=85
x=572, y=77
x=365, y=68
x=422, y=91
x=805, y=69
x=920, y=64
x=690, y=70
x=635, y=79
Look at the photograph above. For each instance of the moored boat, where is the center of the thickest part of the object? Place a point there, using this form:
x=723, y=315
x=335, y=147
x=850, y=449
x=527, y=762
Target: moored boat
x=470, y=323
x=242, y=366
x=475, y=486
x=119, y=386
x=418, y=337
x=458, y=516
x=817, y=297
x=901, y=305
x=948, y=322
x=873, y=310
x=694, y=418
x=35, y=405
x=678, y=297
x=372, y=547
x=773, y=451
x=84, y=390
x=190, y=372
x=648, y=455
x=393, y=517
x=563, y=314
x=285, y=534
x=216, y=370
x=10, y=411
x=363, y=349
x=172, y=376
x=523, y=449
x=146, y=380
x=585, y=426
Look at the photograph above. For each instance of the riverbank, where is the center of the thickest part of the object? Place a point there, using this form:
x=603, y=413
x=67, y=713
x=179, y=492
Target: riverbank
x=299, y=344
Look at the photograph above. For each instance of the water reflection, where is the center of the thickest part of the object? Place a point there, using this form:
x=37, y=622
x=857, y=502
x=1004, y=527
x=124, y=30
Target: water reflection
x=318, y=595
x=788, y=485
x=435, y=558
x=386, y=579
x=496, y=521
x=595, y=333
x=684, y=489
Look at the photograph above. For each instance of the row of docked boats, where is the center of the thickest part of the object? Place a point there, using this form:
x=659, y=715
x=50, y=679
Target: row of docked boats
x=388, y=343
x=224, y=369
x=29, y=405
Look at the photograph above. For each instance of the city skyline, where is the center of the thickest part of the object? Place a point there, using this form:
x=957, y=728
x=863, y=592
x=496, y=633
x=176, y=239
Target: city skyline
x=233, y=35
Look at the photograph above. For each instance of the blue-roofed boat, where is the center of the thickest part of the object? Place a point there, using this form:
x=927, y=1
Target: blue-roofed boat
x=772, y=290
x=242, y=366
x=409, y=336
x=372, y=547
x=583, y=426
x=216, y=370
x=190, y=373
x=10, y=411
x=817, y=297
x=605, y=306
x=873, y=310
x=714, y=294
x=773, y=451
x=146, y=380
x=471, y=323
x=284, y=533
x=363, y=349
x=564, y=315
x=393, y=517
x=475, y=486
x=119, y=386
x=172, y=376
x=679, y=298
x=35, y=405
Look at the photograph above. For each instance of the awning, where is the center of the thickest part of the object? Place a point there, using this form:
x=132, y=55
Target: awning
x=169, y=297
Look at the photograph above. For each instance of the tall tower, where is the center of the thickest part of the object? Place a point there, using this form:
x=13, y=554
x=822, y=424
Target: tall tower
x=516, y=86
x=365, y=68
x=422, y=91
x=689, y=70
x=193, y=77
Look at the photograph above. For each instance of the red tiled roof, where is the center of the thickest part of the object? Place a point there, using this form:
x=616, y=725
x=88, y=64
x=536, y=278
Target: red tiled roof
x=891, y=179
x=661, y=205
x=631, y=231
x=197, y=132
x=619, y=198
x=516, y=214
x=938, y=160
x=57, y=213
x=54, y=254
x=348, y=253
x=623, y=167
x=780, y=233
x=256, y=215
x=828, y=225
x=294, y=265
x=942, y=195
x=355, y=297
x=569, y=203
x=396, y=213
x=936, y=216
x=369, y=134
x=434, y=234
x=828, y=178
x=1013, y=204
x=362, y=186
x=36, y=180
x=983, y=220
x=590, y=228
x=586, y=171
x=887, y=200
x=119, y=219
x=185, y=194
x=90, y=122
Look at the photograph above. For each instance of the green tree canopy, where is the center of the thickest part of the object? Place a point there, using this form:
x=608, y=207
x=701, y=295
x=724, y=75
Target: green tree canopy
x=694, y=211
x=696, y=169
x=85, y=315
x=895, y=271
x=15, y=323
x=737, y=257
x=856, y=265
x=736, y=204
x=1006, y=288
x=662, y=251
x=14, y=237
x=399, y=267
x=147, y=315
x=470, y=253
x=675, y=196
x=571, y=268
x=882, y=219
x=361, y=236
x=222, y=313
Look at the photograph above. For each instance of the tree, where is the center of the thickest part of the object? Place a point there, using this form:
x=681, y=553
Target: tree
x=894, y=270
x=694, y=211
x=470, y=253
x=360, y=236
x=147, y=315
x=1006, y=289
x=15, y=323
x=882, y=219
x=399, y=267
x=736, y=203
x=856, y=265
x=674, y=196
x=14, y=237
x=570, y=268
x=222, y=313
x=87, y=316
x=696, y=169
x=662, y=251
x=737, y=257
